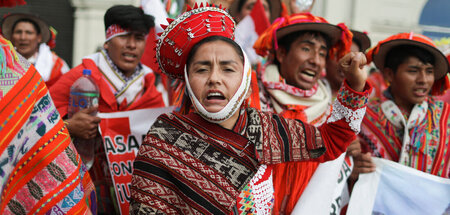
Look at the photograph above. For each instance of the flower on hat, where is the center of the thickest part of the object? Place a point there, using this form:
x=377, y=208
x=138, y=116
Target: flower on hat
x=183, y=33
x=340, y=35
x=378, y=55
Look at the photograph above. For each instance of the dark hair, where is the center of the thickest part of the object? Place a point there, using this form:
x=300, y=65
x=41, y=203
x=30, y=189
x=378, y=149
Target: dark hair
x=194, y=49
x=286, y=41
x=358, y=43
x=242, y=2
x=129, y=17
x=35, y=25
x=240, y=5
x=401, y=53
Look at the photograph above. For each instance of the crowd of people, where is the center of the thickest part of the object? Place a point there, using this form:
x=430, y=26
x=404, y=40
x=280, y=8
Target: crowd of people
x=245, y=137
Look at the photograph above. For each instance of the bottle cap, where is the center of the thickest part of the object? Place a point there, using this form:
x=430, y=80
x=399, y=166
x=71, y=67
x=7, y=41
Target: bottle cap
x=86, y=72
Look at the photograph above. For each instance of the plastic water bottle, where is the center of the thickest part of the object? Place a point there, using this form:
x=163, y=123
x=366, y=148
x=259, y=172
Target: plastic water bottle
x=84, y=93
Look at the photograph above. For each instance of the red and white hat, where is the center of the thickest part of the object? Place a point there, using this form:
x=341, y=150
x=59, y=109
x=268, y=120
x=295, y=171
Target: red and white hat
x=178, y=38
x=176, y=42
x=441, y=66
x=340, y=35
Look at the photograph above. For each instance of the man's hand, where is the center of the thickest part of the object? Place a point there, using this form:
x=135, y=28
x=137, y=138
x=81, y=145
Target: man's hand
x=352, y=65
x=354, y=149
x=363, y=164
x=83, y=124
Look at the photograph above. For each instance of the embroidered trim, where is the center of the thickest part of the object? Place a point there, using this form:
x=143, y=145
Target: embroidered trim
x=116, y=69
x=352, y=117
x=114, y=31
x=262, y=191
x=352, y=98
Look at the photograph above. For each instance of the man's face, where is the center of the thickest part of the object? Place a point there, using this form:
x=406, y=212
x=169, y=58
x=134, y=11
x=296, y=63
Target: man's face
x=126, y=51
x=303, y=64
x=25, y=39
x=412, y=82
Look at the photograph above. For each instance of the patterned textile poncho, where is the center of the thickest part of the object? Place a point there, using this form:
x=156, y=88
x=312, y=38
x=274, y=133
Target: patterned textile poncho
x=188, y=165
x=40, y=169
x=429, y=145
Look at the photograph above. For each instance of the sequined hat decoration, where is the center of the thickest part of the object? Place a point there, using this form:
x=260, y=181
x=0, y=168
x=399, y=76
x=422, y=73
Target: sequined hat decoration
x=183, y=33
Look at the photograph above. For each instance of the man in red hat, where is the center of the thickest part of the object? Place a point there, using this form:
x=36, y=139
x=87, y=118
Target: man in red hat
x=29, y=35
x=290, y=84
x=407, y=125
x=125, y=84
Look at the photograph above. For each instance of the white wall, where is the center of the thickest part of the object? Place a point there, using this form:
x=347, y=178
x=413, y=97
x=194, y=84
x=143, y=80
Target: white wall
x=89, y=29
x=380, y=18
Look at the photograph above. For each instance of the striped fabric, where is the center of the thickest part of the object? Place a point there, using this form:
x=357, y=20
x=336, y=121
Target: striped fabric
x=40, y=170
x=190, y=166
x=430, y=140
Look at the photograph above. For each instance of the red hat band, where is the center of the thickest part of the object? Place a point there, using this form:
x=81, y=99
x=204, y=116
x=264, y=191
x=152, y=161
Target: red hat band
x=441, y=67
x=182, y=34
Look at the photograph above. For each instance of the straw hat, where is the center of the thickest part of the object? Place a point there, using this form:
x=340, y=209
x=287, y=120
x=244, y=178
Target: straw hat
x=10, y=20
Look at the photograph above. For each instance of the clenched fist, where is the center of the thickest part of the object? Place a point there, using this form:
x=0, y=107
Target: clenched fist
x=352, y=66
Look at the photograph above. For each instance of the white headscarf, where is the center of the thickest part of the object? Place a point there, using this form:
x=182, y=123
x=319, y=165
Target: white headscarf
x=235, y=102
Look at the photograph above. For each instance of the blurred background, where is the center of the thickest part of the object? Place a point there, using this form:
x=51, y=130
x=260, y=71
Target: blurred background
x=80, y=28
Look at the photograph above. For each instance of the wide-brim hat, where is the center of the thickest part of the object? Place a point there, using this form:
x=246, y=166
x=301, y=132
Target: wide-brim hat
x=275, y=9
x=339, y=35
x=362, y=38
x=441, y=65
x=332, y=31
x=10, y=20
x=379, y=52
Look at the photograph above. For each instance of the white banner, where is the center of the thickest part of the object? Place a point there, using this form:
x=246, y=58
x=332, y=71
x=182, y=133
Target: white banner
x=322, y=196
x=397, y=189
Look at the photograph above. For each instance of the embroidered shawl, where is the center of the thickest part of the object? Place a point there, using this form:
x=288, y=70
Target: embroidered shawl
x=190, y=166
x=40, y=170
x=429, y=146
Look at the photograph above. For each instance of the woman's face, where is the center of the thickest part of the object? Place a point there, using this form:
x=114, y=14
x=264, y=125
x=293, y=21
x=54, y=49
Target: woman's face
x=215, y=74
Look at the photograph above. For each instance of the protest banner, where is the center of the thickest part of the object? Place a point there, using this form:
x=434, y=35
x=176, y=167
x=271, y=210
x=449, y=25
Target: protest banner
x=397, y=189
x=123, y=133
x=326, y=192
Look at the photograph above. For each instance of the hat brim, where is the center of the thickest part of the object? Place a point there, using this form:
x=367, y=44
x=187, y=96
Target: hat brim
x=275, y=9
x=363, y=39
x=441, y=65
x=10, y=20
x=332, y=31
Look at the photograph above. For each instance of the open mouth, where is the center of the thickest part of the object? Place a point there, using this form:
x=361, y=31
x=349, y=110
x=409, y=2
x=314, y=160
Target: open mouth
x=129, y=56
x=215, y=96
x=420, y=92
x=310, y=73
